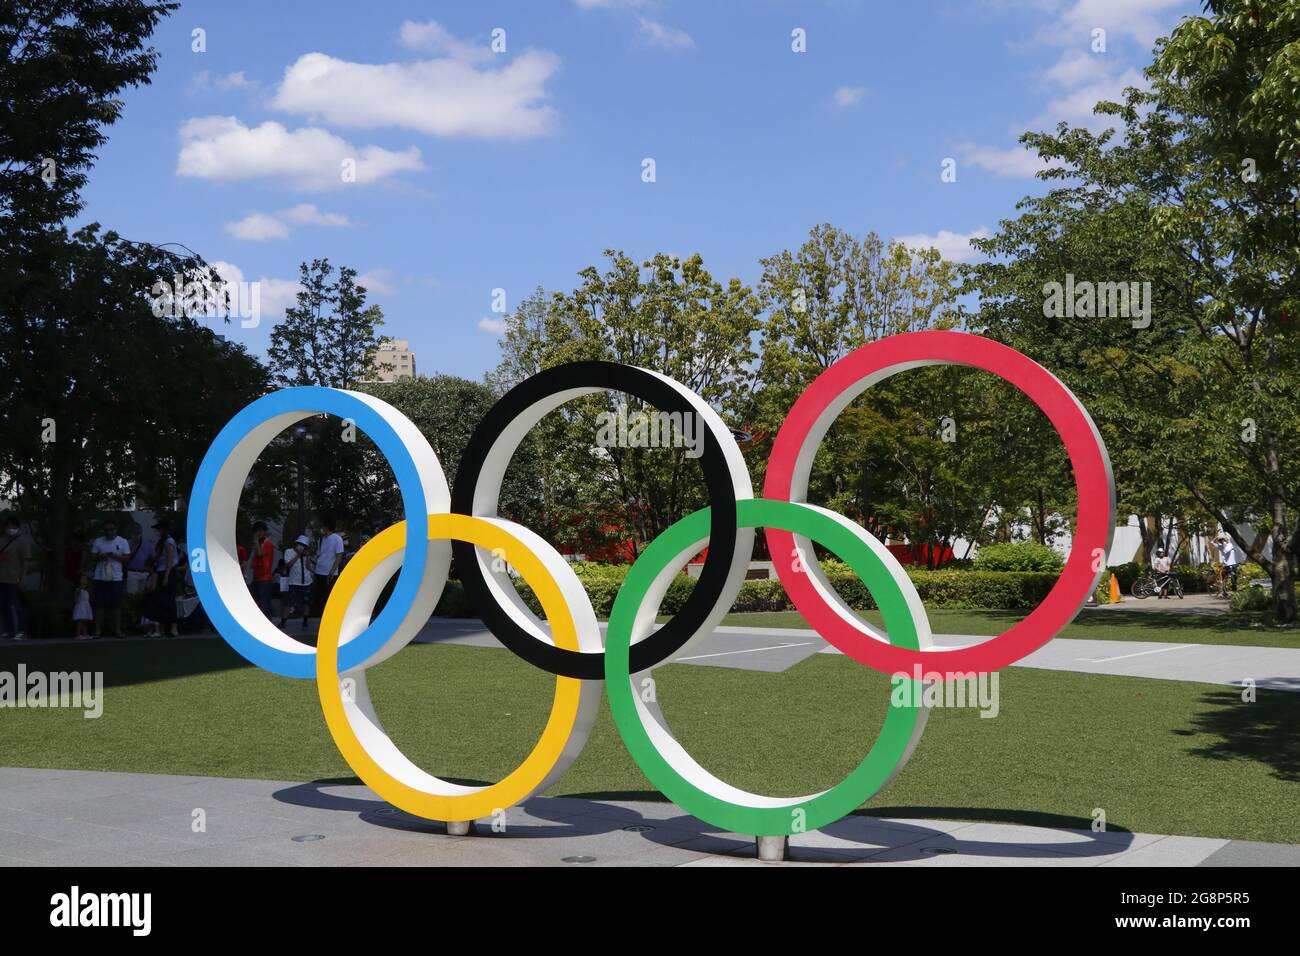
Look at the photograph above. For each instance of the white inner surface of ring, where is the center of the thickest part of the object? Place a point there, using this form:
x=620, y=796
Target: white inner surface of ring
x=223, y=554
x=487, y=495
x=813, y=441
x=799, y=492
x=360, y=710
x=656, y=725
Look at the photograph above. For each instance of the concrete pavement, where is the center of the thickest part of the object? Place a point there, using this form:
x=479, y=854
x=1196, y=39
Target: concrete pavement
x=85, y=818
x=778, y=649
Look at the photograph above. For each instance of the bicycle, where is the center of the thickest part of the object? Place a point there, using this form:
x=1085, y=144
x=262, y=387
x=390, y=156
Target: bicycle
x=1151, y=583
x=1216, y=581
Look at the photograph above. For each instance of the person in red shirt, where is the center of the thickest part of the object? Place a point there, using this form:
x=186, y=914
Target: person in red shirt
x=263, y=564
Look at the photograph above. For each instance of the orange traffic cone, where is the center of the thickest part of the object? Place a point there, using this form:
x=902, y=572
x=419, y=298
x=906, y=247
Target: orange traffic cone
x=1114, y=589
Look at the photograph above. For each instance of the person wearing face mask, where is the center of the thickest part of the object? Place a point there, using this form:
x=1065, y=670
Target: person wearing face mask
x=15, y=555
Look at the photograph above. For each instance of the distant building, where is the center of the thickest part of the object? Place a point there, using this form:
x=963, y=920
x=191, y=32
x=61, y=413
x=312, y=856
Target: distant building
x=394, y=361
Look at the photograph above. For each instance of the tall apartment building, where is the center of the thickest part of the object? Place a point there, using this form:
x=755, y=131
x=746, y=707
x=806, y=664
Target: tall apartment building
x=394, y=361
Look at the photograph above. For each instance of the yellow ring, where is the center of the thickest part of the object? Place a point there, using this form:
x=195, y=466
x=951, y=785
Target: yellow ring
x=530, y=774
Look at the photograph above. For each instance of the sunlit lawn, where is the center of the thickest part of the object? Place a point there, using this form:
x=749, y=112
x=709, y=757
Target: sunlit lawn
x=1158, y=756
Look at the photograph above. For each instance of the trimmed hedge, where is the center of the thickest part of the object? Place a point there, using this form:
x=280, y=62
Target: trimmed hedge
x=940, y=589
x=1019, y=556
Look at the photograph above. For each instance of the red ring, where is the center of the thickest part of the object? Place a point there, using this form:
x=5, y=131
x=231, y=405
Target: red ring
x=1093, y=481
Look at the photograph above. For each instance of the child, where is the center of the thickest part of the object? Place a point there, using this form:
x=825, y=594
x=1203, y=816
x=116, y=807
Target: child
x=81, y=612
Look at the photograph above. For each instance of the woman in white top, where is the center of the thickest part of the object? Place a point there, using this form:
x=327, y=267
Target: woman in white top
x=299, y=576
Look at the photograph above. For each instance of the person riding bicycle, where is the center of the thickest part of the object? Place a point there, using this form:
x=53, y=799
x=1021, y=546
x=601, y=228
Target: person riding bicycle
x=1163, y=568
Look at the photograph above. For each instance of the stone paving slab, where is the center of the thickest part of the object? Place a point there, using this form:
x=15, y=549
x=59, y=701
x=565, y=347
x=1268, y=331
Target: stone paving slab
x=126, y=819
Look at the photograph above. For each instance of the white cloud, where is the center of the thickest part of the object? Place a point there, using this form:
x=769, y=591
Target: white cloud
x=1139, y=20
x=273, y=295
x=1082, y=77
x=1017, y=161
x=492, y=326
x=224, y=149
x=378, y=280
x=848, y=95
x=432, y=35
x=259, y=226
x=661, y=35
x=1076, y=106
x=954, y=246
x=205, y=82
x=445, y=97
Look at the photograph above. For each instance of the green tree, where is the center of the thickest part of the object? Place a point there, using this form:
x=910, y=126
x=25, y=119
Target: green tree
x=446, y=409
x=330, y=336
x=65, y=63
x=1201, y=191
x=666, y=314
x=107, y=398
x=922, y=456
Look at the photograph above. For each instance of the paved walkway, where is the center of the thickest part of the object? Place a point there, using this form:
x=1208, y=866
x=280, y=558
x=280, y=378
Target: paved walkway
x=84, y=818
x=777, y=649
x=1193, y=605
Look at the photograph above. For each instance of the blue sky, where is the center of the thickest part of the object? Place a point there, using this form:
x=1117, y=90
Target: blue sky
x=479, y=170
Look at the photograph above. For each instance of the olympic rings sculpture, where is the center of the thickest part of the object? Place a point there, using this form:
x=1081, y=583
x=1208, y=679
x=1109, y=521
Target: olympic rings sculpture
x=441, y=522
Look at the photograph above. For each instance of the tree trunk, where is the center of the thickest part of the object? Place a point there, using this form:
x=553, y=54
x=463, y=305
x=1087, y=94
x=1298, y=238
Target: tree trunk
x=1284, y=597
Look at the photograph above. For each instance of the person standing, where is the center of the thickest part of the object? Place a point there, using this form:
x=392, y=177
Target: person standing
x=1162, y=566
x=329, y=557
x=299, y=578
x=110, y=554
x=1229, y=555
x=139, y=564
x=82, y=614
x=163, y=603
x=262, y=563
x=15, y=555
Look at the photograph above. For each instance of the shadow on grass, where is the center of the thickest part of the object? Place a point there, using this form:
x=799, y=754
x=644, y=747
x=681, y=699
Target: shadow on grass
x=1166, y=619
x=126, y=662
x=1266, y=731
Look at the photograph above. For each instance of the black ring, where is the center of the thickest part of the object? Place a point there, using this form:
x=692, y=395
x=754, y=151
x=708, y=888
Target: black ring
x=669, y=638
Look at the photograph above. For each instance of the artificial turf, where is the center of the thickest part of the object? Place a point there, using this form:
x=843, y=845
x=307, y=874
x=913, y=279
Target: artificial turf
x=1156, y=756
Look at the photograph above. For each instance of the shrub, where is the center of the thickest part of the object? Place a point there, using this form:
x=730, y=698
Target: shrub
x=762, y=595
x=1192, y=578
x=940, y=589
x=1018, y=556
x=454, y=602
x=1252, y=598
x=1127, y=573
x=1250, y=571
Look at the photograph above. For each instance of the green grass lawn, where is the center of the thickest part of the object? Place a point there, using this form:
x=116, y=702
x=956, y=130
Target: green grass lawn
x=1158, y=756
x=1093, y=624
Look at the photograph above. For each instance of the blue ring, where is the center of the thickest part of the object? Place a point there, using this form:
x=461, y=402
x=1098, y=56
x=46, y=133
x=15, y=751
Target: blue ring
x=311, y=400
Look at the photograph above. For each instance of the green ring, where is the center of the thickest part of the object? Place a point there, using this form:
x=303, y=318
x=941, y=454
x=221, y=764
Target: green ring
x=887, y=754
